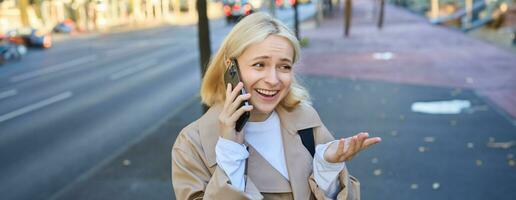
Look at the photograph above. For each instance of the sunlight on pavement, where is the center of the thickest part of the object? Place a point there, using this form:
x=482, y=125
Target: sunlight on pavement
x=383, y=56
x=441, y=107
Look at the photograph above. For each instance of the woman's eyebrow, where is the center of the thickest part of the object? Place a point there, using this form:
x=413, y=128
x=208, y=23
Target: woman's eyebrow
x=268, y=57
x=286, y=59
x=261, y=57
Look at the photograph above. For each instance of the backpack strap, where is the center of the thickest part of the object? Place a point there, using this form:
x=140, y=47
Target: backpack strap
x=307, y=137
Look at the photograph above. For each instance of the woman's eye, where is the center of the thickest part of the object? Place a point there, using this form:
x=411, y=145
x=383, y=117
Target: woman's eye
x=258, y=65
x=286, y=67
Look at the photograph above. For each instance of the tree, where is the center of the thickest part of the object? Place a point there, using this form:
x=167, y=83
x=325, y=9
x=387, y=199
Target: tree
x=204, y=38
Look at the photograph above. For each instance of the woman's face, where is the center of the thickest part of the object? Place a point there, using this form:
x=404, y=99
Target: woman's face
x=266, y=70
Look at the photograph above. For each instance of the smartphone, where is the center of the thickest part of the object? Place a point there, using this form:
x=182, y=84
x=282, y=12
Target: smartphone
x=232, y=76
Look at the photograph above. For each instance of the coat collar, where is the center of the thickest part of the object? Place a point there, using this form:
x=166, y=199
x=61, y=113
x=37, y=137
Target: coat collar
x=301, y=117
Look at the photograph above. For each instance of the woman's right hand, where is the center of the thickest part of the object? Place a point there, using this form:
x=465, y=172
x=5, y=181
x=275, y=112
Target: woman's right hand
x=231, y=112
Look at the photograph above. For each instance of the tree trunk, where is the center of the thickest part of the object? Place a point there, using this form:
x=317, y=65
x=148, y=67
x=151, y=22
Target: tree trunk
x=24, y=17
x=347, y=16
x=296, y=20
x=204, y=35
x=381, y=15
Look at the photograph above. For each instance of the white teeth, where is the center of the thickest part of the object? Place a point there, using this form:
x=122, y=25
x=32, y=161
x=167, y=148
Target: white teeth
x=267, y=92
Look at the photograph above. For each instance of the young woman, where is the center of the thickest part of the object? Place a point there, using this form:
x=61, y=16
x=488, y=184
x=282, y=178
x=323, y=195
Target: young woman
x=267, y=159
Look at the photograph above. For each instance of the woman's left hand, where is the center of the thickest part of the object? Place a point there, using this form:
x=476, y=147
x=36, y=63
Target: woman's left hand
x=337, y=152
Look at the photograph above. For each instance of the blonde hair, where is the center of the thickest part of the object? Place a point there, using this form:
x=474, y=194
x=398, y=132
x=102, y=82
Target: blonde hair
x=250, y=30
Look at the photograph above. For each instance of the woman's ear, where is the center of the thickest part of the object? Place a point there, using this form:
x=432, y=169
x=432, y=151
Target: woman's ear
x=228, y=63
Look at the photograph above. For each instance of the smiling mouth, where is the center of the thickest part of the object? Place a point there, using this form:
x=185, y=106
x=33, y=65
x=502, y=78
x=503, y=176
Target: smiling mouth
x=267, y=93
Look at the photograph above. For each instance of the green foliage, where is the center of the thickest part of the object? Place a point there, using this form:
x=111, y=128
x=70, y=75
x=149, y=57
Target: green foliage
x=304, y=42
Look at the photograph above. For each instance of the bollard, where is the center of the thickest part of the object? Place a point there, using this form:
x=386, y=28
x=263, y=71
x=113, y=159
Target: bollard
x=514, y=36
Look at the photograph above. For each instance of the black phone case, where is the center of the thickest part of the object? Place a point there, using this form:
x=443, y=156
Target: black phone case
x=232, y=76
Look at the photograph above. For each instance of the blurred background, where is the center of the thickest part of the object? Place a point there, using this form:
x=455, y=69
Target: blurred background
x=94, y=92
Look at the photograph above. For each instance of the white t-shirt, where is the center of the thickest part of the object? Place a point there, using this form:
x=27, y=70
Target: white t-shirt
x=265, y=138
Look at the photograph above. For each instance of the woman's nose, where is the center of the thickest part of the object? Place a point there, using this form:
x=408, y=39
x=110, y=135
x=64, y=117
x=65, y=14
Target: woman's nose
x=272, y=77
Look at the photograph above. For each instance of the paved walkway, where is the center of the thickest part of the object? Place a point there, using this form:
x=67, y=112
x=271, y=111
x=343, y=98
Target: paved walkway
x=371, y=80
x=422, y=54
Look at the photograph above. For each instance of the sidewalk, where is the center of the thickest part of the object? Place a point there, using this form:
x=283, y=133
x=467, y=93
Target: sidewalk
x=422, y=54
x=369, y=82
x=422, y=156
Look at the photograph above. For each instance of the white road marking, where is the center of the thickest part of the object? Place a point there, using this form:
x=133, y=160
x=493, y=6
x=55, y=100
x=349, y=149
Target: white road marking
x=132, y=70
x=8, y=93
x=52, y=69
x=36, y=106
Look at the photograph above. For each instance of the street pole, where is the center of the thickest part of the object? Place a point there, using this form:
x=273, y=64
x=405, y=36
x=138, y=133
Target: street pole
x=330, y=6
x=272, y=7
x=469, y=13
x=380, y=18
x=204, y=38
x=434, y=9
x=296, y=20
x=319, y=15
x=347, y=17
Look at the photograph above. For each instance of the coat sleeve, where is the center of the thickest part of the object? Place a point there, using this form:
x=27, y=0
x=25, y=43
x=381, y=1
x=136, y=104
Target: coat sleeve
x=350, y=187
x=191, y=178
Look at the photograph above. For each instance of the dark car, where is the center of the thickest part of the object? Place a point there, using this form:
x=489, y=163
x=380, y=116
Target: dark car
x=31, y=37
x=236, y=9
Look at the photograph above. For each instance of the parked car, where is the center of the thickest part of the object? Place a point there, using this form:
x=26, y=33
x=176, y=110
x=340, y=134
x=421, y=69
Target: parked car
x=289, y=3
x=236, y=9
x=66, y=26
x=31, y=37
x=10, y=50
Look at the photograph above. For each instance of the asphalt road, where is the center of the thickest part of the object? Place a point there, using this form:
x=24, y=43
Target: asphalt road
x=65, y=109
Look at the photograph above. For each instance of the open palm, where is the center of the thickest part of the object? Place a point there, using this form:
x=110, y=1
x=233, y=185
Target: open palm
x=346, y=148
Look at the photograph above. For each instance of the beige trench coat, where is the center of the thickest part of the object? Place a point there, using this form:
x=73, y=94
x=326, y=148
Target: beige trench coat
x=196, y=175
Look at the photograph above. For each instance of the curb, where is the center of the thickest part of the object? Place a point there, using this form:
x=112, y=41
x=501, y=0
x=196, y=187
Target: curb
x=106, y=161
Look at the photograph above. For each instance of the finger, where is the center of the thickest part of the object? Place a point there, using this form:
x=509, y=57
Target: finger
x=236, y=91
x=238, y=101
x=362, y=137
x=356, y=148
x=340, y=147
x=351, y=147
x=234, y=117
x=371, y=141
x=228, y=93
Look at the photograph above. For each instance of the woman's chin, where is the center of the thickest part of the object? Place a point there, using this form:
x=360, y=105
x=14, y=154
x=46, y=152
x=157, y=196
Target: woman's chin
x=263, y=109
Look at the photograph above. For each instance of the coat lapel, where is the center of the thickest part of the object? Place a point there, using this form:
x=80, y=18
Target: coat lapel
x=299, y=164
x=209, y=133
x=298, y=159
x=266, y=178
